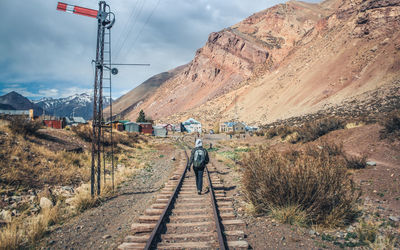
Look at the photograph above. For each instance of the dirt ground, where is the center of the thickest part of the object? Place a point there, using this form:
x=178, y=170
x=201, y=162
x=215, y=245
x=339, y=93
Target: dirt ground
x=380, y=187
x=105, y=226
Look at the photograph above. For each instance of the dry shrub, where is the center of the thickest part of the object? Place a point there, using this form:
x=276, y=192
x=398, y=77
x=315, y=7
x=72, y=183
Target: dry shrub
x=391, y=125
x=17, y=233
x=292, y=215
x=83, y=201
x=25, y=164
x=367, y=231
x=314, y=182
x=313, y=130
x=356, y=162
x=85, y=132
x=10, y=237
x=271, y=133
x=24, y=126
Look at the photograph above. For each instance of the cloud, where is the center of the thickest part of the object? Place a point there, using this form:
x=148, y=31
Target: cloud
x=54, y=49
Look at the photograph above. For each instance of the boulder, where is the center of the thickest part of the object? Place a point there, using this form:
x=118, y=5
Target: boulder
x=45, y=203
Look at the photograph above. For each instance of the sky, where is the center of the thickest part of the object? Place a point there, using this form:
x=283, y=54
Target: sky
x=48, y=53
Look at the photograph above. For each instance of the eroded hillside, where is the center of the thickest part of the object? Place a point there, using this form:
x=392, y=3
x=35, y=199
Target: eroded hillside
x=289, y=60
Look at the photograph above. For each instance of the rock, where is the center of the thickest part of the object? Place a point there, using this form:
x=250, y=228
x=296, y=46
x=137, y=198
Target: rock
x=350, y=229
x=16, y=198
x=375, y=48
x=371, y=163
x=14, y=158
x=311, y=232
x=394, y=218
x=45, y=203
x=46, y=192
x=6, y=215
x=173, y=158
x=107, y=236
x=68, y=189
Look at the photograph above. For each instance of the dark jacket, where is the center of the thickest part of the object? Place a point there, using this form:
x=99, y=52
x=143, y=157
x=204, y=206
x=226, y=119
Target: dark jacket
x=206, y=160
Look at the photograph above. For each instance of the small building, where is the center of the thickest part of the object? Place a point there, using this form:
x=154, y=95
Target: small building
x=132, y=127
x=232, y=127
x=74, y=121
x=169, y=127
x=192, y=126
x=177, y=127
x=146, y=128
x=160, y=131
x=13, y=112
x=57, y=124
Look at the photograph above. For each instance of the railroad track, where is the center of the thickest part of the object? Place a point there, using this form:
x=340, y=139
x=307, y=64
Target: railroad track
x=182, y=219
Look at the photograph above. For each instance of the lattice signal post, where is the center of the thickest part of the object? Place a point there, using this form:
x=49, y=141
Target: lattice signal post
x=105, y=19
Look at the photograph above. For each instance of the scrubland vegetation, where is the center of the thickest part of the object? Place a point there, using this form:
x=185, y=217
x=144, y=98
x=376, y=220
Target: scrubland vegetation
x=310, y=184
x=301, y=187
x=30, y=163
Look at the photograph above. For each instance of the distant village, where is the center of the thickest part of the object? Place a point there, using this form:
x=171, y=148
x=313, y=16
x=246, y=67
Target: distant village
x=160, y=130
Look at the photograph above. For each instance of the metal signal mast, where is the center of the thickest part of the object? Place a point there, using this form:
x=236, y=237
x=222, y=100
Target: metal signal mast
x=105, y=19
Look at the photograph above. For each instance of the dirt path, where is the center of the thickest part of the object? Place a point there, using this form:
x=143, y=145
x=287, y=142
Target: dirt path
x=104, y=227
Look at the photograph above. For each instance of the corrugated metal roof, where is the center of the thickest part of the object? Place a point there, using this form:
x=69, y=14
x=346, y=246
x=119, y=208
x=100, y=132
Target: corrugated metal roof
x=14, y=112
x=78, y=120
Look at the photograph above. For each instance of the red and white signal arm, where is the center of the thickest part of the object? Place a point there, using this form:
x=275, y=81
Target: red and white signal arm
x=77, y=10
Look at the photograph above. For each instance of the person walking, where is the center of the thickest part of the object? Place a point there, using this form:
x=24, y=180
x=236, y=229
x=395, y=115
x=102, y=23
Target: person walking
x=199, y=159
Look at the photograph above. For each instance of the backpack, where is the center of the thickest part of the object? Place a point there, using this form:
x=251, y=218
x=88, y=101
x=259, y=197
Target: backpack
x=199, y=158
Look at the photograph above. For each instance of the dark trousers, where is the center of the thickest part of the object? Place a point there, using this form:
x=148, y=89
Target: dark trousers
x=199, y=179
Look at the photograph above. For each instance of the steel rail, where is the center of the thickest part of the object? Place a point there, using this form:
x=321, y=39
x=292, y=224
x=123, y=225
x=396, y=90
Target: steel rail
x=163, y=216
x=156, y=230
x=221, y=238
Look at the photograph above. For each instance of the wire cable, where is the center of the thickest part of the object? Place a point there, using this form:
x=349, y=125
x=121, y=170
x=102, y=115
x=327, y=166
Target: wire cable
x=144, y=25
x=131, y=28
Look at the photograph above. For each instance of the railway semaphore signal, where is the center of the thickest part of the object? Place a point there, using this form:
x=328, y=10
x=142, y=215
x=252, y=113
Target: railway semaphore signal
x=105, y=21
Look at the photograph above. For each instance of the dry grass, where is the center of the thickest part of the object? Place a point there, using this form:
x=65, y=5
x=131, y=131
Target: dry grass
x=356, y=162
x=19, y=233
x=10, y=237
x=313, y=181
x=85, y=132
x=383, y=242
x=24, y=126
x=391, y=125
x=26, y=164
x=313, y=130
x=367, y=231
x=292, y=214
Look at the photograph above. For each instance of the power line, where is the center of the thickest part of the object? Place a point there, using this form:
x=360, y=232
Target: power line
x=144, y=25
x=131, y=28
x=123, y=31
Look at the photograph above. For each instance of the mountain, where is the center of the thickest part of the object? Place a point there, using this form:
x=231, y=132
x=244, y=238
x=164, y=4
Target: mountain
x=13, y=100
x=80, y=105
x=289, y=60
x=128, y=102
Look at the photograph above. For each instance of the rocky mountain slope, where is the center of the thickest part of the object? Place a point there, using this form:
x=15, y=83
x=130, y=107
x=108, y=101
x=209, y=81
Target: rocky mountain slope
x=13, y=100
x=134, y=98
x=80, y=105
x=289, y=60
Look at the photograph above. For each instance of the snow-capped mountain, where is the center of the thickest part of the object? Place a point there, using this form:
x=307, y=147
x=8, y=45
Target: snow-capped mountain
x=76, y=105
